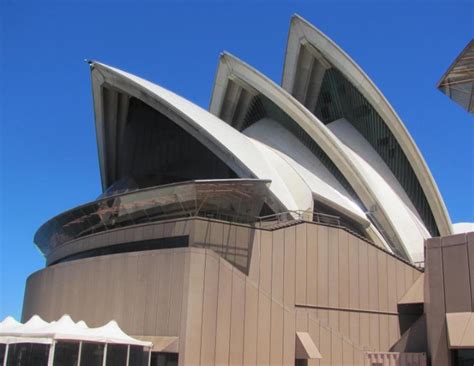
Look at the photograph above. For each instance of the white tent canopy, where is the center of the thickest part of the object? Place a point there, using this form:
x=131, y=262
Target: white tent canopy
x=36, y=330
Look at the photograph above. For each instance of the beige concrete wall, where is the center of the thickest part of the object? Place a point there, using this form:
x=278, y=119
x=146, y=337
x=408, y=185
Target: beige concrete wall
x=449, y=288
x=339, y=278
x=238, y=295
x=234, y=322
x=142, y=291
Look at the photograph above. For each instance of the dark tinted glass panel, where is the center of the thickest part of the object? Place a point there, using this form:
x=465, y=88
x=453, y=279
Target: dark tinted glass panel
x=301, y=362
x=116, y=355
x=3, y=347
x=164, y=359
x=354, y=107
x=464, y=357
x=92, y=354
x=138, y=357
x=66, y=354
x=27, y=354
x=136, y=246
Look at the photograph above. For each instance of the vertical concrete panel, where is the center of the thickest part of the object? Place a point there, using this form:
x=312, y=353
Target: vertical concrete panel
x=167, y=231
x=263, y=335
x=242, y=245
x=254, y=266
x=184, y=308
x=347, y=352
x=344, y=323
x=224, y=305
x=392, y=284
x=374, y=331
x=435, y=304
x=333, y=262
x=289, y=266
x=456, y=278
x=344, y=265
x=363, y=275
x=191, y=348
x=359, y=357
x=313, y=330
x=336, y=349
x=354, y=289
x=311, y=264
x=276, y=335
x=229, y=243
x=364, y=323
x=140, y=296
x=217, y=237
x=151, y=295
x=301, y=320
x=384, y=332
x=394, y=330
x=237, y=319
x=325, y=346
x=164, y=292
x=408, y=277
x=373, y=280
x=125, y=302
x=301, y=264
x=470, y=248
x=277, y=265
x=199, y=232
x=400, y=279
x=251, y=323
x=382, y=280
x=177, y=278
x=266, y=262
x=323, y=266
x=209, y=314
x=289, y=332
x=354, y=331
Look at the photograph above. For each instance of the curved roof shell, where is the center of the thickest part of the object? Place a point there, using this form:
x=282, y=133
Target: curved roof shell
x=310, y=58
x=381, y=194
x=247, y=158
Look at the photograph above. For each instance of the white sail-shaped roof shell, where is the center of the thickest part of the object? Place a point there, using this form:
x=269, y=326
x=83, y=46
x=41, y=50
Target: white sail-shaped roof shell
x=246, y=157
x=303, y=33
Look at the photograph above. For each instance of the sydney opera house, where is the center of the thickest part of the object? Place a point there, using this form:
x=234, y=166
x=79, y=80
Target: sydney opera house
x=286, y=225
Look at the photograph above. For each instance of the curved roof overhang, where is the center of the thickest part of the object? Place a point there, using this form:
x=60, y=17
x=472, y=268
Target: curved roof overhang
x=231, y=68
x=233, y=148
x=302, y=32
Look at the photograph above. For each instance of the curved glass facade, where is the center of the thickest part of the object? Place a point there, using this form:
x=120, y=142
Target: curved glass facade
x=233, y=200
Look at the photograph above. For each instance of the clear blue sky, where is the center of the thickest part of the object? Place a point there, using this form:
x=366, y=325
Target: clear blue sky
x=47, y=138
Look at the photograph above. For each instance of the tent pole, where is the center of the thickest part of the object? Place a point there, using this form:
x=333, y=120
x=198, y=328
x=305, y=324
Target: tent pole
x=51, y=353
x=105, y=355
x=128, y=355
x=79, y=355
x=6, y=355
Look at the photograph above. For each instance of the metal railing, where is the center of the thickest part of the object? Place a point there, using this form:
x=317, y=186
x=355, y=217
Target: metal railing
x=287, y=218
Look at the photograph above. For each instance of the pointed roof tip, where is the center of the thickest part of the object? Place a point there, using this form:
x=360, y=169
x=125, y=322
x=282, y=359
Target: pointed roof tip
x=225, y=54
x=88, y=61
x=298, y=18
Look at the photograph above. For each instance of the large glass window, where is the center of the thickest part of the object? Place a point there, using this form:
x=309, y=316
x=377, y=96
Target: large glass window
x=26, y=354
x=92, y=354
x=138, y=356
x=116, y=355
x=66, y=354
